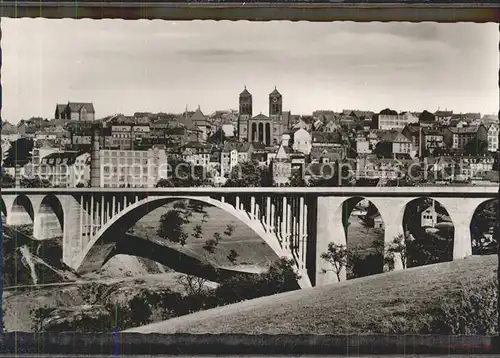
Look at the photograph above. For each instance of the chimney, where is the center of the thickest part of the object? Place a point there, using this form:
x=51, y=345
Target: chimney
x=17, y=176
x=95, y=167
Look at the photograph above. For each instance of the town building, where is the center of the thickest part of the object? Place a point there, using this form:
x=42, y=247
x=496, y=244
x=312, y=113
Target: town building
x=75, y=111
x=493, y=137
x=281, y=166
x=457, y=138
x=378, y=222
x=433, y=139
x=443, y=117
x=326, y=154
x=399, y=143
x=396, y=121
x=200, y=121
x=262, y=128
x=197, y=153
x=428, y=217
x=302, y=141
x=65, y=169
x=9, y=132
x=133, y=168
x=37, y=155
x=362, y=143
x=233, y=154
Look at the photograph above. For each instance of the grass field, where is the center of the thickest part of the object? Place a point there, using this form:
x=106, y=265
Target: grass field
x=385, y=303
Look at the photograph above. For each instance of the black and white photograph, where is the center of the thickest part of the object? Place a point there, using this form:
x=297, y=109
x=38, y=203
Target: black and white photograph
x=236, y=177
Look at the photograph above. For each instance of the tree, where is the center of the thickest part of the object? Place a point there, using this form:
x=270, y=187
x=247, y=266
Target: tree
x=336, y=255
x=388, y=111
x=140, y=310
x=19, y=153
x=40, y=315
x=35, y=182
x=297, y=180
x=232, y=256
x=192, y=285
x=280, y=277
x=8, y=180
x=171, y=226
x=383, y=149
x=248, y=174
x=476, y=147
x=336, y=175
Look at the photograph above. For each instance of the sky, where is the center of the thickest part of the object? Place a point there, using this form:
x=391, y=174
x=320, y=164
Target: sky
x=130, y=66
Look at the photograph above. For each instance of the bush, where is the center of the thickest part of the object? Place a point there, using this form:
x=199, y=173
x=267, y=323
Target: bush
x=281, y=277
x=471, y=311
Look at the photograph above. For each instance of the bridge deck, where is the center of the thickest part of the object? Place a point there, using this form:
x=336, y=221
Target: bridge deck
x=436, y=191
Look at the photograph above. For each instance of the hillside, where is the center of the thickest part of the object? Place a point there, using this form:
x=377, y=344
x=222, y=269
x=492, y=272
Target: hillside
x=393, y=302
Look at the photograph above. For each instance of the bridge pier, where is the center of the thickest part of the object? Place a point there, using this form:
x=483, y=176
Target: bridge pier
x=74, y=217
x=392, y=212
x=46, y=226
x=328, y=229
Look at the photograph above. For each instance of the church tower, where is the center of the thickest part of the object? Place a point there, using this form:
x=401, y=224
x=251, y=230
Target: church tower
x=245, y=113
x=275, y=105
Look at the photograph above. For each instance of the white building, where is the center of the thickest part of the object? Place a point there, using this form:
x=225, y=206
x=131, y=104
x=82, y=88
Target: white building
x=398, y=121
x=133, y=168
x=363, y=145
x=36, y=158
x=493, y=137
x=197, y=153
x=65, y=169
x=234, y=153
x=428, y=218
x=302, y=141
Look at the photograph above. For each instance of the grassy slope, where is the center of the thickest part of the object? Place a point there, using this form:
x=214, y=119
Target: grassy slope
x=380, y=304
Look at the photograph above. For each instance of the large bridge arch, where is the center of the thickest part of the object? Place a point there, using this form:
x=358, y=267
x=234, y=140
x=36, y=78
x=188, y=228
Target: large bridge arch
x=49, y=218
x=97, y=251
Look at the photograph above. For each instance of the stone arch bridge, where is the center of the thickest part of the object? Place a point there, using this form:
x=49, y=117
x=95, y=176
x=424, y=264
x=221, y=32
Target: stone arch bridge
x=297, y=223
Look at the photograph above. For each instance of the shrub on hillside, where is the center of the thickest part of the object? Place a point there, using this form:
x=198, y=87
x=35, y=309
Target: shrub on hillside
x=471, y=311
x=280, y=277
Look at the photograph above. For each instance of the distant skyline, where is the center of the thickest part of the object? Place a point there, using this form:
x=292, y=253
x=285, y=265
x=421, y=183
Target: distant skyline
x=135, y=66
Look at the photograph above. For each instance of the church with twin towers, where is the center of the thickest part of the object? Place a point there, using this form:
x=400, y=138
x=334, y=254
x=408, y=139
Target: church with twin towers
x=261, y=128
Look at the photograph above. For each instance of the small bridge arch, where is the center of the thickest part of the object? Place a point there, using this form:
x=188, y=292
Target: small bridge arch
x=49, y=218
x=3, y=208
x=21, y=212
x=482, y=226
